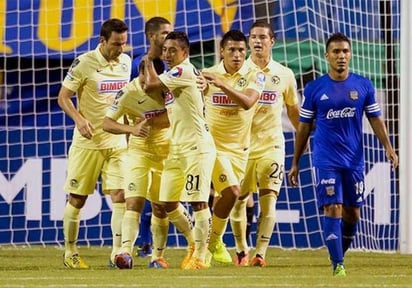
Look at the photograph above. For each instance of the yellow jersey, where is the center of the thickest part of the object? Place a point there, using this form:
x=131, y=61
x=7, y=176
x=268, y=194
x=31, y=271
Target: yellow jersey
x=229, y=123
x=96, y=82
x=132, y=101
x=280, y=89
x=185, y=108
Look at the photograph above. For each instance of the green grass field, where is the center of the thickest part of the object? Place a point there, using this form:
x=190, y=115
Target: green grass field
x=42, y=267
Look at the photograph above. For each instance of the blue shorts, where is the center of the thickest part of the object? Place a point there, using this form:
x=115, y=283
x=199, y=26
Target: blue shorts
x=339, y=186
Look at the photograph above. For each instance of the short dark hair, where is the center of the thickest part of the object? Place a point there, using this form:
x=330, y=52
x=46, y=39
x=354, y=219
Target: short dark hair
x=158, y=65
x=234, y=35
x=180, y=36
x=153, y=24
x=263, y=24
x=337, y=37
x=111, y=25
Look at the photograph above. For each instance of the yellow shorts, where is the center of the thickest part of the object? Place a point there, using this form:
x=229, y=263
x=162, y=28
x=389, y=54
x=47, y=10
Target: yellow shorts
x=85, y=166
x=265, y=173
x=187, y=178
x=143, y=175
x=229, y=170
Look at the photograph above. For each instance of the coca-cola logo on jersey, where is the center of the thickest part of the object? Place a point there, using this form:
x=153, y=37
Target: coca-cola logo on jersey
x=347, y=112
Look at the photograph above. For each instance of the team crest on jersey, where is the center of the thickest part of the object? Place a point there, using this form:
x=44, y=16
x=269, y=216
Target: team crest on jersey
x=276, y=80
x=74, y=183
x=124, y=67
x=241, y=82
x=222, y=178
x=330, y=190
x=353, y=95
x=175, y=72
x=131, y=187
x=260, y=79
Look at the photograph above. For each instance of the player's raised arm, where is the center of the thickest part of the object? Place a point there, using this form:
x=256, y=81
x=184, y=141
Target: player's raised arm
x=151, y=84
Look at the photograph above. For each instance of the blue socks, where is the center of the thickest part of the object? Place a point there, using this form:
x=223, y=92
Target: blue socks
x=348, y=234
x=333, y=239
x=145, y=220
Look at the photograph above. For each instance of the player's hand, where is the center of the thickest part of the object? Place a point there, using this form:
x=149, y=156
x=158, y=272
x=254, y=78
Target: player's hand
x=201, y=82
x=391, y=155
x=141, y=128
x=212, y=79
x=148, y=57
x=293, y=176
x=85, y=128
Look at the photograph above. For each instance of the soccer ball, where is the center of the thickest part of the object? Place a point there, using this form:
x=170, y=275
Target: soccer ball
x=123, y=261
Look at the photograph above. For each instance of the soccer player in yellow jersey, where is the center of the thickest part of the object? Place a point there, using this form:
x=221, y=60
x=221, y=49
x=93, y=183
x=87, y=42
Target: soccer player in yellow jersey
x=230, y=101
x=265, y=168
x=188, y=167
x=148, y=148
x=95, y=77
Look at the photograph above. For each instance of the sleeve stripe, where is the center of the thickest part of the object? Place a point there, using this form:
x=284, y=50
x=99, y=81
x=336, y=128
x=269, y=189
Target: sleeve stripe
x=372, y=108
x=306, y=113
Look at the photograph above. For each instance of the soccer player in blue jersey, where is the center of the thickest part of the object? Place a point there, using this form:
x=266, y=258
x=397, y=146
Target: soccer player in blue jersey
x=156, y=30
x=336, y=102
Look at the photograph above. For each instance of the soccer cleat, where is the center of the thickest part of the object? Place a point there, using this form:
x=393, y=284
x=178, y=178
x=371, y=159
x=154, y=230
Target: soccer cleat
x=159, y=263
x=75, y=262
x=241, y=259
x=190, y=251
x=339, y=271
x=257, y=261
x=195, y=264
x=111, y=264
x=123, y=261
x=145, y=250
x=219, y=252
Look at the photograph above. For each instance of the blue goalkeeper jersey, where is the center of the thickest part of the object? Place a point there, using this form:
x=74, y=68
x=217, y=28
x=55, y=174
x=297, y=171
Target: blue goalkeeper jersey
x=337, y=109
x=135, y=66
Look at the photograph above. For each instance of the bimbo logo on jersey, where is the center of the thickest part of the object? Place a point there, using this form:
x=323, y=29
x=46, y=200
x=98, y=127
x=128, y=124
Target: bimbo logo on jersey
x=347, y=112
x=222, y=100
x=111, y=86
x=269, y=97
x=154, y=113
